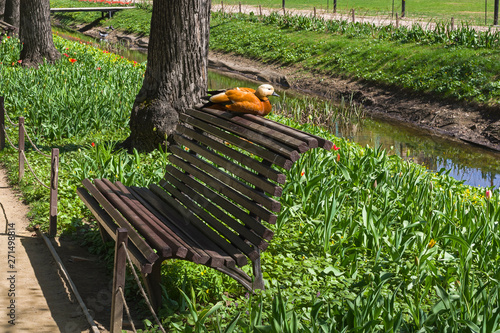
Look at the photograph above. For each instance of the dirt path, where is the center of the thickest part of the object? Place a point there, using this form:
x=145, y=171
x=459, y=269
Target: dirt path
x=33, y=296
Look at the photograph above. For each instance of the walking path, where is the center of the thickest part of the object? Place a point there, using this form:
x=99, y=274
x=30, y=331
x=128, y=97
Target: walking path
x=33, y=296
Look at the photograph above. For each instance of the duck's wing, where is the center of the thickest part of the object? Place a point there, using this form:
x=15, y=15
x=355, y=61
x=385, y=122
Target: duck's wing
x=243, y=101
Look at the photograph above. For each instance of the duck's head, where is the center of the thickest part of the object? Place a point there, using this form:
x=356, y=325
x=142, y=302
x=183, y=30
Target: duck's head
x=265, y=90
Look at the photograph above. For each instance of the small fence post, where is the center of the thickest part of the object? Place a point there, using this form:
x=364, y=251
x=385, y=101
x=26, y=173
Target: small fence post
x=353, y=18
x=2, y=124
x=335, y=6
x=21, y=148
x=119, y=271
x=452, y=23
x=403, y=8
x=222, y=6
x=54, y=176
x=260, y=10
x=397, y=21
x=314, y=12
x=240, y=7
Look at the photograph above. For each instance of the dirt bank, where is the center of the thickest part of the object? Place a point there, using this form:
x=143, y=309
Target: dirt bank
x=459, y=121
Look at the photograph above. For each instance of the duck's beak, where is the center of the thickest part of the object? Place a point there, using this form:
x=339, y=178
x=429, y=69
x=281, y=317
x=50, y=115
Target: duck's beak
x=275, y=94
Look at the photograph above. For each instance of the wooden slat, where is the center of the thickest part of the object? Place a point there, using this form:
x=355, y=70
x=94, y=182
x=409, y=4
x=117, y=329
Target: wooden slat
x=240, y=259
x=248, y=161
x=263, y=153
x=178, y=249
x=249, y=221
x=163, y=204
x=211, y=254
x=229, y=181
x=248, y=134
x=228, y=165
x=144, y=229
x=134, y=236
x=267, y=131
x=237, y=239
x=107, y=223
x=225, y=190
x=311, y=141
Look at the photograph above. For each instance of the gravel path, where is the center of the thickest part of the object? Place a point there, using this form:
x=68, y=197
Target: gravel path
x=33, y=297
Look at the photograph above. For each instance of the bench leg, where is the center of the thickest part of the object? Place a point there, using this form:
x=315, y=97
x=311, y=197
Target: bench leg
x=258, y=282
x=153, y=281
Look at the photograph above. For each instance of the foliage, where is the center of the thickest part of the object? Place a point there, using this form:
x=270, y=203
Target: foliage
x=410, y=59
x=365, y=242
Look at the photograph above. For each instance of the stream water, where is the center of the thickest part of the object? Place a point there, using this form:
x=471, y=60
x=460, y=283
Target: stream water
x=475, y=166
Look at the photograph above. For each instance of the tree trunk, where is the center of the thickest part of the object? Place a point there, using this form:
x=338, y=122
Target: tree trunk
x=11, y=12
x=176, y=73
x=2, y=9
x=36, y=34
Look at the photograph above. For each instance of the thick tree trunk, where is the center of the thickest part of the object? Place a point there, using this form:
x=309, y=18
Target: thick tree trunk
x=176, y=73
x=11, y=12
x=2, y=9
x=36, y=34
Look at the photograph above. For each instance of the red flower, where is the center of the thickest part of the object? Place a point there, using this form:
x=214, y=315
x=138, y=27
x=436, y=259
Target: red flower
x=302, y=173
x=98, y=68
x=72, y=60
x=92, y=144
x=488, y=194
x=335, y=147
x=8, y=37
x=20, y=61
x=338, y=157
x=65, y=54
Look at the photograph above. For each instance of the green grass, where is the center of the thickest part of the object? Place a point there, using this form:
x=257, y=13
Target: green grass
x=466, y=10
x=365, y=242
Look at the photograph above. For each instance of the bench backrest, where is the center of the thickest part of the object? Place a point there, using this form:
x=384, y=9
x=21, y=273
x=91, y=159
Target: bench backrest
x=225, y=170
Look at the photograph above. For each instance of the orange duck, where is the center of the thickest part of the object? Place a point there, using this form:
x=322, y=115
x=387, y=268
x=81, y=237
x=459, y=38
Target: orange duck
x=245, y=100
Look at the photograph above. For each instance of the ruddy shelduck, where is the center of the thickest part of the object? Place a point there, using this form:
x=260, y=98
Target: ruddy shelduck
x=245, y=100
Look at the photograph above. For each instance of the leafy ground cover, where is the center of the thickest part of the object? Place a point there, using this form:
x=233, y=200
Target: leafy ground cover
x=366, y=242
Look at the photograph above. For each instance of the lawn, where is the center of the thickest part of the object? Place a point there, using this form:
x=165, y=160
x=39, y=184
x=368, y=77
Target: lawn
x=365, y=242
x=467, y=10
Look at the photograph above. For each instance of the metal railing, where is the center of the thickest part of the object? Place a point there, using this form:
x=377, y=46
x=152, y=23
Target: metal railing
x=23, y=160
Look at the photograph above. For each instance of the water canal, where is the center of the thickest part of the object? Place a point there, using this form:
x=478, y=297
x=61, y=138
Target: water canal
x=473, y=165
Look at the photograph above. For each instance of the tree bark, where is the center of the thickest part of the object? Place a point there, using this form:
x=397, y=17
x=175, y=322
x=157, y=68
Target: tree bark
x=11, y=12
x=176, y=72
x=35, y=33
x=2, y=9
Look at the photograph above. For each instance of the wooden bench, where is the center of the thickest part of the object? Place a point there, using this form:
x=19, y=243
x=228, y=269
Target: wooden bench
x=224, y=171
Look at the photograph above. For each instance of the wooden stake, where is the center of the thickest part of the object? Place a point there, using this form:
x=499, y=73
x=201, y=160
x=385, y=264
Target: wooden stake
x=397, y=21
x=54, y=176
x=21, y=148
x=222, y=6
x=452, y=23
x=240, y=7
x=2, y=124
x=353, y=18
x=314, y=12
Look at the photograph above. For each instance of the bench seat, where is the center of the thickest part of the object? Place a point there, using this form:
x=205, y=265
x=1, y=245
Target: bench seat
x=225, y=170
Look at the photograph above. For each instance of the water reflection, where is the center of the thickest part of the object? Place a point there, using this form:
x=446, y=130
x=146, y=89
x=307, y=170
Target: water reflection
x=475, y=166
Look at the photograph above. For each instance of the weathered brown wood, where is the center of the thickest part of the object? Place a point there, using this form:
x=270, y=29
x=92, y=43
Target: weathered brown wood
x=2, y=123
x=191, y=219
x=257, y=229
x=248, y=134
x=54, y=181
x=110, y=228
x=119, y=271
x=191, y=198
x=243, y=159
x=178, y=250
x=238, y=185
x=7, y=27
x=194, y=254
x=132, y=217
x=230, y=166
x=267, y=131
x=187, y=231
x=225, y=190
x=141, y=244
x=263, y=153
x=311, y=141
